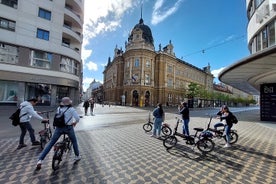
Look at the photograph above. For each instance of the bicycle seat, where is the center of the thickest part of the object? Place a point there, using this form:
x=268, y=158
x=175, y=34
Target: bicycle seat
x=199, y=129
x=44, y=121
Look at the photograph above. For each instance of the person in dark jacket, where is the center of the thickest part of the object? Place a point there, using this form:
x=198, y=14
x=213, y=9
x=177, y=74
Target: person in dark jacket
x=159, y=117
x=226, y=116
x=86, y=106
x=184, y=111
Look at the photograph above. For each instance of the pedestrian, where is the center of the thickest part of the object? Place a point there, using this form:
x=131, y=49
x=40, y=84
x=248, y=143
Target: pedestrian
x=26, y=113
x=71, y=118
x=159, y=117
x=184, y=111
x=92, y=102
x=227, y=115
x=86, y=106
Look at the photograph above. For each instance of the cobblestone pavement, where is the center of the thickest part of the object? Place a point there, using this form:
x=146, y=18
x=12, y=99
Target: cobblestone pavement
x=126, y=154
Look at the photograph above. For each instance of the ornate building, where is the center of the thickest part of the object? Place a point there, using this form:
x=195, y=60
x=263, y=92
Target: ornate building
x=141, y=76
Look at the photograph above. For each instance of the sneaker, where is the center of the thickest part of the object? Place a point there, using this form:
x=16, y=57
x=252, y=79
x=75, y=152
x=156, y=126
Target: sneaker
x=35, y=143
x=77, y=158
x=21, y=146
x=38, y=165
x=227, y=145
x=152, y=135
x=158, y=137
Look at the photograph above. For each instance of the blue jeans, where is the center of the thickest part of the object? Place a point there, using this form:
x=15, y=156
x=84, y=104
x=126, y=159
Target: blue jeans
x=219, y=124
x=186, y=127
x=24, y=127
x=69, y=130
x=157, y=126
x=227, y=132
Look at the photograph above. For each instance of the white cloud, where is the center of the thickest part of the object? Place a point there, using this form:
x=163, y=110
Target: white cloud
x=91, y=66
x=158, y=15
x=216, y=72
x=100, y=17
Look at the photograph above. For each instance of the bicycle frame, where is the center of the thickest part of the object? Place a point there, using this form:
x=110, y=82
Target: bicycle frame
x=46, y=133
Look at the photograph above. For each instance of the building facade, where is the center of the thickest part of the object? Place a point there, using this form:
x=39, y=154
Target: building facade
x=142, y=76
x=40, y=50
x=256, y=74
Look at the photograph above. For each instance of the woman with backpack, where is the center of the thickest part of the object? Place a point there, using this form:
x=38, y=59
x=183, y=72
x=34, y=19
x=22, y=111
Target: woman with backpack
x=71, y=118
x=159, y=117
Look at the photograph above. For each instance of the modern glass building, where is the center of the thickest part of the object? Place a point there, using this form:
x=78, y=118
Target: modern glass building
x=40, y=50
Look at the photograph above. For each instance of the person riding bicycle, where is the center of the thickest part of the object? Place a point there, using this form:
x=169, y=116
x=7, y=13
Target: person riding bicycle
x=71, y=118
x=219, y=115
x=226, y=117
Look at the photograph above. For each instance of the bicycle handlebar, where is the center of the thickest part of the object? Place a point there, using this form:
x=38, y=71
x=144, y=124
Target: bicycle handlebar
x=45, y=112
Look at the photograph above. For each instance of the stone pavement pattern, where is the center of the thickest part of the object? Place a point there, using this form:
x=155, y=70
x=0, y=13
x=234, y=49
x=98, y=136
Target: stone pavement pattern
x=126, y=154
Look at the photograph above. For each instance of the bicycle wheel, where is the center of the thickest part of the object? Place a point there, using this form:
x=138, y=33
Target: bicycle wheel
x=170, y=142
x=233, y=137
x=205, y=145
x=147, y=127
x=57, y=158
x=166, y=130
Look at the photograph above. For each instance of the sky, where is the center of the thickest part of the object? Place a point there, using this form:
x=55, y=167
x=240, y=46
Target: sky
x=202, y=31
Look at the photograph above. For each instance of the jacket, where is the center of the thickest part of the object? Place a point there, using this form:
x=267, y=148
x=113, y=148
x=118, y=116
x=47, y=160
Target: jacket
x=70, y=115
x=27, y=110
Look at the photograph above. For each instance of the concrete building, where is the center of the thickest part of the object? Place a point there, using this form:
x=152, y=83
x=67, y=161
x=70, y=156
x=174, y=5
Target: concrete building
x=40, y=50
x=256, y=73
x=142, y=76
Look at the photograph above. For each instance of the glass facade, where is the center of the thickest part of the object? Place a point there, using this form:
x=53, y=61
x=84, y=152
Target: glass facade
x=8, y=92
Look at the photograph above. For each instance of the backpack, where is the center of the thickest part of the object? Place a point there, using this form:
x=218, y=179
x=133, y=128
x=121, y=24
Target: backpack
x=15, y=117
x=59, y=120
x=233, y=119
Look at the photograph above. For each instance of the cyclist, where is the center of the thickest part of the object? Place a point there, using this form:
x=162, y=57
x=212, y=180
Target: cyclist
x=225, y=117
x=71, y=118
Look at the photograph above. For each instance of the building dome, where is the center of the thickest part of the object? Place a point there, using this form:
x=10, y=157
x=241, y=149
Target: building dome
x=146, y=35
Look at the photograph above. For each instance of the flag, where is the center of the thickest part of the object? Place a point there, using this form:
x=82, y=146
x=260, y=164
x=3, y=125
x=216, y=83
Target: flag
x=133, y=79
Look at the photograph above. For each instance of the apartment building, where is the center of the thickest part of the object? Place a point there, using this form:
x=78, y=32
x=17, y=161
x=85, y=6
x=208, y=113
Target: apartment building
x=40, y=50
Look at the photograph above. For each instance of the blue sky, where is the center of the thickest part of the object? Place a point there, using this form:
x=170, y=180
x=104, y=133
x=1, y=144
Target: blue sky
x=202, y=31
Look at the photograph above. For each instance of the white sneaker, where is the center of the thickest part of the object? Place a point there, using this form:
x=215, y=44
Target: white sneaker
x=152, y=135
x=77, y=158
x=227, y=145
x=38, y=165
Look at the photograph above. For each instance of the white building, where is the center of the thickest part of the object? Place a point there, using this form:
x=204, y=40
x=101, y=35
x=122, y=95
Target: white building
x=40, y=50
x=256, y=74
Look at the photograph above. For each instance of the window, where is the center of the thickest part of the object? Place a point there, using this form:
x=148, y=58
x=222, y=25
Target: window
x=8, y=54
x=264, y=38
x=42, y=34
x=11, y=3
x=40, y=91
x=271, y=34
x=44, y=14
x=8, y=91
x=7, y=24
x=136, y=62
x=147, y=63
x=147, y=79
x=69, y=65
x=170, y=69
x=41, y=59
x=170, y=83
